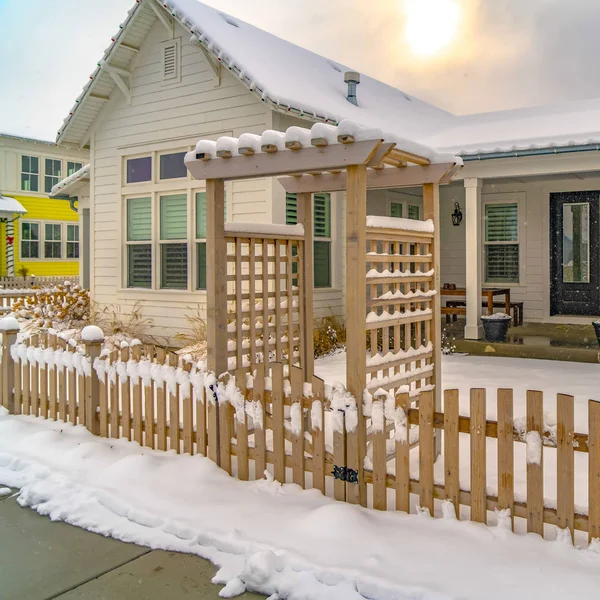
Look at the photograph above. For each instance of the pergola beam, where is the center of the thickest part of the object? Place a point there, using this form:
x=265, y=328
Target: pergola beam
x=285, y=162
x=376, y=179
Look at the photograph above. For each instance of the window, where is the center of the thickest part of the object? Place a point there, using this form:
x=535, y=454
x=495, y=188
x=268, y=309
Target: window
x=172, y=166
x=139, y=247
x=52, y=240
x=396, y=210
x=201, y=239
x=173, y=229
x=322, y=234
x=414, y=212
x=30, y=171
x=73, y=167
x=30, y=240
x=72, y=241
x=502, y=243
x=139, y=169
x=171, y=63
x=52, y=174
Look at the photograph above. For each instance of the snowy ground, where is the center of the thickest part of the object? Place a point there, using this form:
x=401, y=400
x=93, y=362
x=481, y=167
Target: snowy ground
x=277, y=539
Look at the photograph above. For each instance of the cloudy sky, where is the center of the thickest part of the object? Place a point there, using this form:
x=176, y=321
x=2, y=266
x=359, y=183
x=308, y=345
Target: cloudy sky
x=462, y=55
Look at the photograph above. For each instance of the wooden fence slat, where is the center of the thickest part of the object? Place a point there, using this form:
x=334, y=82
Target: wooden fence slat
x=188, y=414
x=104, y=402
x=478, y=457
x=277, y=401
x=136, y=385
x=114, y=417
x=125, y=398
x=594, y=470
x=149, y=424
x=297, y=418
x=506, y=465
x=212, y=424
x=260, y=441
x=81, y=397
x=174, y=420
x=565, y=463
x=426, y=450
x=378, y=442
x=161, y=406
x=26, y=383
x=62, y=385
x=18, y=387
x=52, y=380
x=451, y=454
x=535, y=469
x=241, y=427
x=318, y=434
x=43, y=371
x=402, y=436
x=72, y=390
x=35, y=383
x=340, y=447
x=200, y=397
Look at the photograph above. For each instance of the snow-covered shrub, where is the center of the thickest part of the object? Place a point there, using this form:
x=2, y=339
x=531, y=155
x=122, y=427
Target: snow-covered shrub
x=64, y=306
x=329, y=335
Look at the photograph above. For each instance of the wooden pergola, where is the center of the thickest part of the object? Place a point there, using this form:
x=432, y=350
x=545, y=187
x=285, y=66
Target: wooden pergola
x=343, y=162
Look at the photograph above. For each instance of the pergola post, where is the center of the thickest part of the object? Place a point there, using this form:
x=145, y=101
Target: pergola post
x=356, y=310
x=216, y=277
x=431, y=210
x=305, y=216
x=473, y=328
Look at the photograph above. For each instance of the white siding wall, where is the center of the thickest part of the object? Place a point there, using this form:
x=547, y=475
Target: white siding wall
x=163, y=117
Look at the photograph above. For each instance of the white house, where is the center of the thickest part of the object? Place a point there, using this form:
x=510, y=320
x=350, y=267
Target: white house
x=179, y=71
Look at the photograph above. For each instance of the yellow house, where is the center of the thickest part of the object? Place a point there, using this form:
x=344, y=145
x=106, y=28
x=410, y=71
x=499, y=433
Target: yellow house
x=45, y=240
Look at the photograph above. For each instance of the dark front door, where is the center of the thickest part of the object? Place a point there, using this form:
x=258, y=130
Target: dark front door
x=574, y=250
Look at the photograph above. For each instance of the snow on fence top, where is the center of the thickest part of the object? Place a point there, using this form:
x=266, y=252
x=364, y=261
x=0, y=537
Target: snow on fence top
x=92, y=333
x=321, y=134
x=398, y=223
x=9, y=324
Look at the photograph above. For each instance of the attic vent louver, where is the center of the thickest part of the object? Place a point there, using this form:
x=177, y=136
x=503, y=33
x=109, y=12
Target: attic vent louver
x=352, y=79
x=171, y=63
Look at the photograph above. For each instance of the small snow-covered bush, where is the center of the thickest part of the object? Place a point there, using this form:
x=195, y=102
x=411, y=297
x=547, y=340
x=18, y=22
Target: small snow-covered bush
x=64, y=306
x=329, y=335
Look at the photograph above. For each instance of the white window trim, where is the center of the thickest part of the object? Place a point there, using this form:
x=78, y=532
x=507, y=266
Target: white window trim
x=59, y=178
x=518, y=198
x=42, y=239
x=39, y=173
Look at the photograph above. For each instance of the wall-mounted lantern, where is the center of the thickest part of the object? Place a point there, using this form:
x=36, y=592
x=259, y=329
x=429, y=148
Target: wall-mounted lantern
x=456, y=215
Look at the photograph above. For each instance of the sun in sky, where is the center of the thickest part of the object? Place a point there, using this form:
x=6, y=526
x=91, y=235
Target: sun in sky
x=431, y=25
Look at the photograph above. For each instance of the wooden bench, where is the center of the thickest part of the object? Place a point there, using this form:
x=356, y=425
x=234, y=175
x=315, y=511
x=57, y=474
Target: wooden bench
x=458, y=307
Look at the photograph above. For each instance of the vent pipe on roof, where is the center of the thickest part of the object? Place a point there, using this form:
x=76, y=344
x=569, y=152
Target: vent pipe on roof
x=352, y=78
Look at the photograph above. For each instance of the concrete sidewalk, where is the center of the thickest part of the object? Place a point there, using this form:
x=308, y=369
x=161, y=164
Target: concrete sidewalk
x=43, y=560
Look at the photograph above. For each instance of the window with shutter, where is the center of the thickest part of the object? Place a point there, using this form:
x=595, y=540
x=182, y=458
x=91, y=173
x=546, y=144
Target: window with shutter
x=173, y=256
x=171, y=67
x=139, y=250
x=396, y=210
x=291, y=209
x=414, y=212
x=502, y=243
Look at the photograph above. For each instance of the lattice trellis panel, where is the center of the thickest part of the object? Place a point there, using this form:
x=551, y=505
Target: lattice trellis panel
x=400, y=294
x=264, y=300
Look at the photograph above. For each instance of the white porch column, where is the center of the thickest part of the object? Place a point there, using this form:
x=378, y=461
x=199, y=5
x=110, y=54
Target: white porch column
x=473, y=328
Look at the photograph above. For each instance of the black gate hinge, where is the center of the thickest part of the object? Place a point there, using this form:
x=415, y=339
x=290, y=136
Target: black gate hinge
x=345, y=474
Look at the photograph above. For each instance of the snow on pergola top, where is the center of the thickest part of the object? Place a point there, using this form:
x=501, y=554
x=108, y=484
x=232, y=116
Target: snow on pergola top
x=320, y=135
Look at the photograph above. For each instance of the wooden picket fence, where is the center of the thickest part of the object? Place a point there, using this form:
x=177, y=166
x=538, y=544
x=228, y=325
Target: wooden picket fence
x=306, y=434
x=11, y=283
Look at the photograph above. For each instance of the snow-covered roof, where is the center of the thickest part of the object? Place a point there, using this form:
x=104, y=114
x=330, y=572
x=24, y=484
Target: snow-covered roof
x=9, y=207
x=66, y=185
x=283, y=75
x=556, y=126
x=293, y=79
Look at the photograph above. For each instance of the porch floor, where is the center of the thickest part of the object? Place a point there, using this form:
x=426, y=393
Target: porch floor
x=575, y=343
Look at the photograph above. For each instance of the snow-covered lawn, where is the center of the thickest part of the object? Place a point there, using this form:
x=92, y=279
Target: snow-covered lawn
x=581, y=380
x=279, y=540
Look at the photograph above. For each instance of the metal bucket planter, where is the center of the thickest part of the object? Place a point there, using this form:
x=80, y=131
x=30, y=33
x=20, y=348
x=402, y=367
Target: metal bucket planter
x=495, y=327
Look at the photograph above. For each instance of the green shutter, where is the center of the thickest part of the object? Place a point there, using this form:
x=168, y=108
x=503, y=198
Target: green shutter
x=501, y=222
x=173, y=266
x=139, y=266
x=291, y=209
x=322, y=267
x=396, y=210
x=414, y=212
x=201, y=265
x=173, y=217
x=139, y=219
x=201, y=214
x=322, y=215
